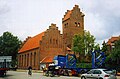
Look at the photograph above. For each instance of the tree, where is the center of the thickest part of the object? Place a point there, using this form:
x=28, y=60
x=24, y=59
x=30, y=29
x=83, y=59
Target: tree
x=113, y=59
x=82, y=44
x=78, y=45
x=89, y=41
x=97, y=47
x=104, y=47
x=116, y=53
x=9, y=45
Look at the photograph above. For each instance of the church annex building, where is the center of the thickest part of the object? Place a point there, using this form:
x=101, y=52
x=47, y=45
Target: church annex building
x=40, y=50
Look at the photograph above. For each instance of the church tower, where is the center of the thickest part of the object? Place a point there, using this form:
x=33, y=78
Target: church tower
x=72, y=23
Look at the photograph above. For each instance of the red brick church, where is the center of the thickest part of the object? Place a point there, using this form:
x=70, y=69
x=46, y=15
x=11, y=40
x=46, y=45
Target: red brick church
x=40, y=50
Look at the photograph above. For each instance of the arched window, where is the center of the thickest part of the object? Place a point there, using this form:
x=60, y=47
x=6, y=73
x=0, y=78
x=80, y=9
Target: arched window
x=20, y=61
x=31, y=59
x=50, y=41
x=27, y=59
x=53, y=41
x=78, y=24
x=34, y=58
x=56, y=41
x=67, y=24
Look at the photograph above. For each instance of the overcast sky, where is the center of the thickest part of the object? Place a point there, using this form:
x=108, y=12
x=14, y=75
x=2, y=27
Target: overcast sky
x=30, y=17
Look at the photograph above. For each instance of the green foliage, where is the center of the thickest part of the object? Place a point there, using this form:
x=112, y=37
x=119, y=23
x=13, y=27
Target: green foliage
x=82, y=44
x=89, y=41
x=113, y=60
x=97, y=47
x=104, y=47
x=9, y=45
x=78, y=44
x=84, y=65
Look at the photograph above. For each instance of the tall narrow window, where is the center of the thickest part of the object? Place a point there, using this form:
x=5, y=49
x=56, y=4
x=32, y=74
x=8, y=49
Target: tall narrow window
x=31, y=59
x=34, y=58
x=78, y=24
x=53, y=41
x=67, y=24
x=75, y=23
x=56, y=41
x=20, y=61
x=50, y=41
x=27, y=59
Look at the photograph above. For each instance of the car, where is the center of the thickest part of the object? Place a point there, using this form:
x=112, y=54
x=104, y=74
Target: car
x=99, y=74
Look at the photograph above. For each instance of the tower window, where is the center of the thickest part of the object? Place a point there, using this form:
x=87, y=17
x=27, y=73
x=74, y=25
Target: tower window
x=78, y=24
x=75, y=23
x=56, y=41
x=67, y=24
x=50, y=41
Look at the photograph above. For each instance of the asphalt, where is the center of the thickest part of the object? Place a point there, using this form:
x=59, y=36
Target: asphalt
x=34, y=71
x=40, y=71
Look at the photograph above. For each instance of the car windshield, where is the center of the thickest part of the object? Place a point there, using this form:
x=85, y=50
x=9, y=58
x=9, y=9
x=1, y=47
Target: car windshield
x=110, y=71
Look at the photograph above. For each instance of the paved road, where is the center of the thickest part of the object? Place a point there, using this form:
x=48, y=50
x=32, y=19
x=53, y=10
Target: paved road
x=23, y=75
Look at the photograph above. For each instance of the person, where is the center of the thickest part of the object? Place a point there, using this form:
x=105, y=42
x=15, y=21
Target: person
x=44, y=69
x=29, y=70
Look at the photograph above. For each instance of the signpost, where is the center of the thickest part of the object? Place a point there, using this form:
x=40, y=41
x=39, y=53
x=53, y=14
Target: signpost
x=5, y=64
x=5, y=61
x=7, y=58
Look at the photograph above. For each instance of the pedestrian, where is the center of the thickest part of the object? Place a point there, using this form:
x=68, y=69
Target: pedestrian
x=29, y=70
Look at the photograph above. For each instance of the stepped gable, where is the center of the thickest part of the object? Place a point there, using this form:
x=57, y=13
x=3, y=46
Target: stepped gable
x=69, y=12
x=32, y=43
x=53, y=26
x=24, y=42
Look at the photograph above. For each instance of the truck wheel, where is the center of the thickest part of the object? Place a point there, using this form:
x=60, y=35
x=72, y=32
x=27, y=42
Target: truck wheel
x=83, y=77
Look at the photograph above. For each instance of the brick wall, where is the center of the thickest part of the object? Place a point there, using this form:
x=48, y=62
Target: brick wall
x=52, y=43
x=29, y=58
x=72, y=23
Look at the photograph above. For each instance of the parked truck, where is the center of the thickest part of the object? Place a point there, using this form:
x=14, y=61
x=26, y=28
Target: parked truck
x=67, y=64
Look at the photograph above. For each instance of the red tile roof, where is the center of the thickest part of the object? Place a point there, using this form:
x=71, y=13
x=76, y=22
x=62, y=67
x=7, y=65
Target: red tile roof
x=112, y=40
x=47, y=60
x=32, y=43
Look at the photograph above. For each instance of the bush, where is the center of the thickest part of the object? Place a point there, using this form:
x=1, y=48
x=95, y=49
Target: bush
x=84, y=65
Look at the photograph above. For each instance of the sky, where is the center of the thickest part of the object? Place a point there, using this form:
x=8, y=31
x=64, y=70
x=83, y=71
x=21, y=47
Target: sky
x=25, y=18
